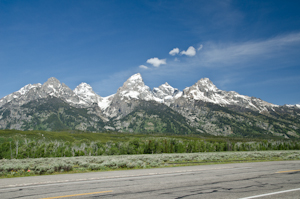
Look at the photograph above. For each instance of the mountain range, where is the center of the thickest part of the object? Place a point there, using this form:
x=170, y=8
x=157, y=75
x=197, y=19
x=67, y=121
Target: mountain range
x=199, y=109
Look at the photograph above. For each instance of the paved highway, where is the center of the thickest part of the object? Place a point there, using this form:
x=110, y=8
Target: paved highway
x=242, y=180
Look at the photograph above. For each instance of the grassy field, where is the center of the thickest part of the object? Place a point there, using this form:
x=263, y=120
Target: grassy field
x=49, y=166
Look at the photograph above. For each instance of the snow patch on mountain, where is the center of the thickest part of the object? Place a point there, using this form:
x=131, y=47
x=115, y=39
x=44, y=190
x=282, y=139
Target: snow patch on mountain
x=293, y=105
x=26, y=88
x=166, y=93
x=105, y=102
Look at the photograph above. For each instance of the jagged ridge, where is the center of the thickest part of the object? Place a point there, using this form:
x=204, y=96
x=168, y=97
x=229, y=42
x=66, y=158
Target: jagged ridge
x=113, y=112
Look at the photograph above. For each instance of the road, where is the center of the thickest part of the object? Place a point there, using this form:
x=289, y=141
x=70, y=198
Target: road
x=241, y=180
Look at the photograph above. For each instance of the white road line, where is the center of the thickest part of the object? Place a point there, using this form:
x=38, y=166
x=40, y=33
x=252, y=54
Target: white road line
x=273, y=193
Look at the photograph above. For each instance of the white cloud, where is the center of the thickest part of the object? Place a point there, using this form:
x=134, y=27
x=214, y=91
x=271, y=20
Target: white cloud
x=156, y=62
x=176, y=59
x=245, y=53
x=200, y=47
x=191, y=51
x=143, y=67
x=174, y=51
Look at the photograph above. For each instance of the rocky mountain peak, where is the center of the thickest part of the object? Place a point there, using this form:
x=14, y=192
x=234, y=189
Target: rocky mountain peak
x=206, y=85
x=164, y=89
x=136, y=77
x=86, y=94
x=52, y=81
x=206, y=91
x=83, y=88
x=166, y=93
x=135, y=82
x=200, y=90
x=167, y=88
x=135, y=87
x=52, y=85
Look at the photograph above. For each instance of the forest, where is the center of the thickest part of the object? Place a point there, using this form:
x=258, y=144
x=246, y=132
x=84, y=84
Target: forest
x=41, y=144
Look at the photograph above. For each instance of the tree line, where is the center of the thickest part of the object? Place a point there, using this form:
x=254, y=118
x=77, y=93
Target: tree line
x=19, y=149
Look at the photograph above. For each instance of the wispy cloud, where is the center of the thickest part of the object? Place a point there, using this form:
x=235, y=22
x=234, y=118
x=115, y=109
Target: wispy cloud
x=156, y=62
x=191, y=51
x=175, y=51
x=200, y=47
x=234, y=53
x=143, y=67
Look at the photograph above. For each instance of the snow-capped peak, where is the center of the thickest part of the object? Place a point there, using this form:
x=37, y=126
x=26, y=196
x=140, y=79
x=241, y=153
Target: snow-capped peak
x=205, y=90
x=83, y=88
x=136, y=77
x=86, y=94
x=134, y=87
x=166, y=87
x=207, y=85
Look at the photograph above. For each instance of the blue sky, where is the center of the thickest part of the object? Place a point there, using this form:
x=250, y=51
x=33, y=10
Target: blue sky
x=252, y=47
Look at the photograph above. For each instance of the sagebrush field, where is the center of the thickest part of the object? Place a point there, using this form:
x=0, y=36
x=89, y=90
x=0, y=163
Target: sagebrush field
x=39, y=166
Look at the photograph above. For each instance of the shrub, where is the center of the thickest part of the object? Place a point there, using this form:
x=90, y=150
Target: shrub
x=94, y=167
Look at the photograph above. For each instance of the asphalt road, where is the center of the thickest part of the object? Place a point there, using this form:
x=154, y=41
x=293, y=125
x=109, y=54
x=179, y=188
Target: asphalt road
x=241, y=180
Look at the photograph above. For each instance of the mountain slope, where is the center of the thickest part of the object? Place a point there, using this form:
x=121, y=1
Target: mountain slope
x=235, y=121
x=153, y=117
x=51, y=114
x=201, y=108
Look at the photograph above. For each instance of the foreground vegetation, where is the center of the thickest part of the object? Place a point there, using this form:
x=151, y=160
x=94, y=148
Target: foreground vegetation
x=27, y=153
x=40, y=166
x=38, y=144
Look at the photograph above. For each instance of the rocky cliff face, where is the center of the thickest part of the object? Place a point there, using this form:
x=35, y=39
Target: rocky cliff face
x=201, y=108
